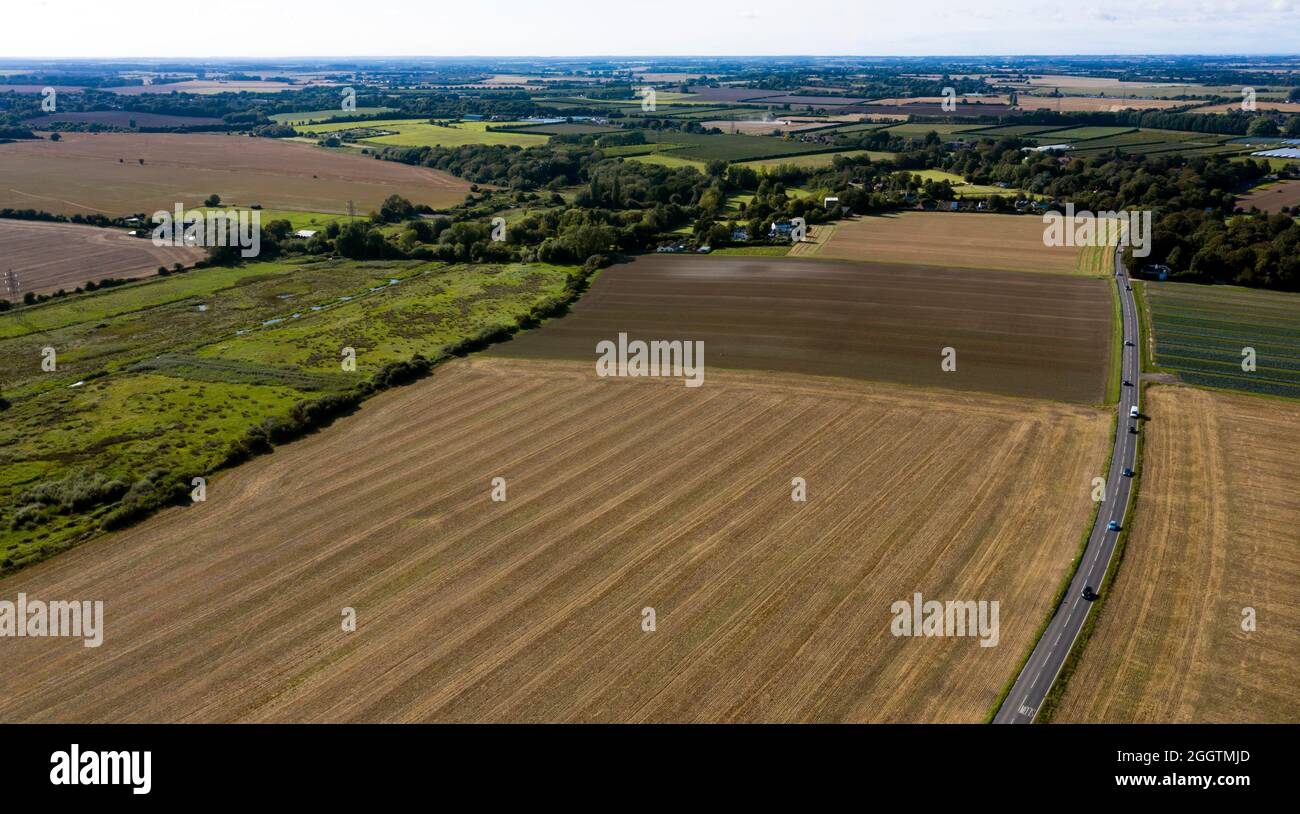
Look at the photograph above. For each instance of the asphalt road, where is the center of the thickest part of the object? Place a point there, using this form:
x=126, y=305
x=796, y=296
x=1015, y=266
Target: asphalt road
x=1039, y=673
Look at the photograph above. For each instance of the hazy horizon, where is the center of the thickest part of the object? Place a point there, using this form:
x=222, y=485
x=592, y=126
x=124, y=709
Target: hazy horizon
x=496, y=29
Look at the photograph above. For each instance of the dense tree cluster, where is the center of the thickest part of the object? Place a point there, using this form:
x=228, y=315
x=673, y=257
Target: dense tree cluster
x=1198, y=231
x=1257, y=249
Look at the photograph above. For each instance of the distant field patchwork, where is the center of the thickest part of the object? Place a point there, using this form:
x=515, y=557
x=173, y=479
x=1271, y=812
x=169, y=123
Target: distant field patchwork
x=733, y=147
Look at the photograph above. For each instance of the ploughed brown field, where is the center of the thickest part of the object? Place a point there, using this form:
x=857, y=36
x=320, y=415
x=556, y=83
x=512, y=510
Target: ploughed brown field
x=50, y=256
x=101, y=172
x=923, y=109
x=1214, y=533
x=1272, y=198
x=965, y=240
x=122, y=118
x=621, y=495
x=1042, y=336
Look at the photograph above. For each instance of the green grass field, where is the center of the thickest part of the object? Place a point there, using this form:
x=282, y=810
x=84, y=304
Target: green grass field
x=920, y=130
x=166, y=373
x=669, y=159
x=939, y=175
x=420, y=133
x=566, y=129
x=1096, y=260
x=1082, y=133
x=297, y=218
x=1274, y=164
x=317, y=116
x=752, y=251
x=1015, y=130
x=731, y=147
x=387, y=322
x=960, y=188
x=143, y=294
x=1201, y=331
x=817, y=160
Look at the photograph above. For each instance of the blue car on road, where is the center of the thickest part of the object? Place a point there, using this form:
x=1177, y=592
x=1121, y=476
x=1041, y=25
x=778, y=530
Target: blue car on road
x=1113, y=526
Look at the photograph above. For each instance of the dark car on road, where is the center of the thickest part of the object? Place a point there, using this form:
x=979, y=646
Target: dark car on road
x=1088, y=593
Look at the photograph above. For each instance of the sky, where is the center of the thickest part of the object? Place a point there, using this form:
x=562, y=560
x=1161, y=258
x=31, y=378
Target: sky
x=262, y=28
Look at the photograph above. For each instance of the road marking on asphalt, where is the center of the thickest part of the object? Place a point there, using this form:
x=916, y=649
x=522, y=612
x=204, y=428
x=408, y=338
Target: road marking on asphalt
x=1097, y=540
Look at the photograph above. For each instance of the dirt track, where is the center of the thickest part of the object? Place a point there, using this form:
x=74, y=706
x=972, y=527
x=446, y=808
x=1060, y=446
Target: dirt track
x=621, y=495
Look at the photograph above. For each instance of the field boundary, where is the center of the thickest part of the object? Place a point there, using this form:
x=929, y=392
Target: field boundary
x=1116, y=349
x=1145, y=327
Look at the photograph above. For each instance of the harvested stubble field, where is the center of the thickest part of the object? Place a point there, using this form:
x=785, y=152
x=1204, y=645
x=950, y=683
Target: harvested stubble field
x=50, y=256
x=1092, y=104
x=123, y=118
x=1013, y=242
x=1272, y=197
x=622, y=495
x=102, y=173
x=1214, y=533
x=1018, y=334
x=813, y=241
